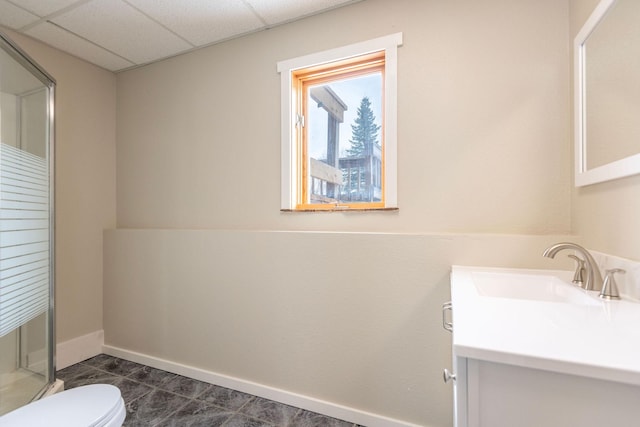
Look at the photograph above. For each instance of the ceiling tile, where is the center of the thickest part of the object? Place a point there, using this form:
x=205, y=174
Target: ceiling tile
x=63, y=40
x=201, y=21
x=44, y=7
x=275, y=12
x=119, y=34
x=123, y=30
x=13, y=17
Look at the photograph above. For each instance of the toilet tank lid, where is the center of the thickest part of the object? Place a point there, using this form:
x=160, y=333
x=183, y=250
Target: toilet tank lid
x=84, y=406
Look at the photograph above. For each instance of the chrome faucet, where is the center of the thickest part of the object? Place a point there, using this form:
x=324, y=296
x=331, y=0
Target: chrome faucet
x=593, y=281
x=578, y=276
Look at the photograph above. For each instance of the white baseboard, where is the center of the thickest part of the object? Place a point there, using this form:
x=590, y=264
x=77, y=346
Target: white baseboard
x=311, y=404
x=79, y=349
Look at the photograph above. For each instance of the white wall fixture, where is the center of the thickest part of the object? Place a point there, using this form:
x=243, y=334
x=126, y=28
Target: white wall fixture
x=607, y=93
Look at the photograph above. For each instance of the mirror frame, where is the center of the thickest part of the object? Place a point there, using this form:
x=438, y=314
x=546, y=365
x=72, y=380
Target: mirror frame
x=617, y=169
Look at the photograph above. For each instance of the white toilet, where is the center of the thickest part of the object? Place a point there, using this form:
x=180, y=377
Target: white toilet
x=96, y=405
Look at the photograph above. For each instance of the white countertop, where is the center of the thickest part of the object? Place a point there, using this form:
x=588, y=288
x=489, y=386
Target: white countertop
x=600, y=339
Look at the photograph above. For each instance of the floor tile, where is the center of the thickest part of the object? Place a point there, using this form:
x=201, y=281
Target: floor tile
x=120, y=366
x=152, y=376
x=241, y=420
x=131, y=390
x=154, y=407
x=198, y=414
x=98, y=360
x=90, y=376
x=186, y=386
x=225, y=397
x=156, y=398
x=268, y=410
x=311, y=419
x=73, y=371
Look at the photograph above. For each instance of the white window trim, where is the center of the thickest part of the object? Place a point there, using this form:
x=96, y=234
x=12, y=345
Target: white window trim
x=289, y=156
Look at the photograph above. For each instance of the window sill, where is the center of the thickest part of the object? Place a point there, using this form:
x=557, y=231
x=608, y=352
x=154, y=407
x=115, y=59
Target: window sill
x=341, y=210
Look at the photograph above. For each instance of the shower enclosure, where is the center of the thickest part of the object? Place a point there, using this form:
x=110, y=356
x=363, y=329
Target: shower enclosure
x=27, y=339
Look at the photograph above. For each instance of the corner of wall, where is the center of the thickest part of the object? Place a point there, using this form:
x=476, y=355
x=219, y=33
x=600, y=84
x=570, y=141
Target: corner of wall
x=78, y=349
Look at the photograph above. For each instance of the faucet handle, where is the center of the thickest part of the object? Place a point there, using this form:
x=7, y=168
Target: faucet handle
x=609, y=286
x=578, y=276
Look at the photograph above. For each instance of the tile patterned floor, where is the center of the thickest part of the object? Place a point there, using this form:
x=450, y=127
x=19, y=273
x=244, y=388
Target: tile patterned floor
x=156, y=398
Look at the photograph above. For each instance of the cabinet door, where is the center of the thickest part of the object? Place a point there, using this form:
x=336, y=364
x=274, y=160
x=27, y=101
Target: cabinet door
x=460, y=392
x=505, y=396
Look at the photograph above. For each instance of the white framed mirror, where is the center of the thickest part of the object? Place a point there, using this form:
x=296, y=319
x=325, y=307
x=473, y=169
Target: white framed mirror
x=607, y=93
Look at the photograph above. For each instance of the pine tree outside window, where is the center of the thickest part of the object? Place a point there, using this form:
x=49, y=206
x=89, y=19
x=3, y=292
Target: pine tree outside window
x=362, y=183
x=339, y=121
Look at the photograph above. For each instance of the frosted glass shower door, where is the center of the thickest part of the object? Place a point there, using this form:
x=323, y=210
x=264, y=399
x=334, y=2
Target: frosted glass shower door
x=26, y=232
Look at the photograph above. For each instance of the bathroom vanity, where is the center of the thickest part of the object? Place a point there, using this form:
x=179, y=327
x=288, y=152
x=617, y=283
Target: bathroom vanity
x=532, y=349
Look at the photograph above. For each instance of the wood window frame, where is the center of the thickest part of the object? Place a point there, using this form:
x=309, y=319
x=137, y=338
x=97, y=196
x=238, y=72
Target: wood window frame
x=304, y=78
x=357, y=58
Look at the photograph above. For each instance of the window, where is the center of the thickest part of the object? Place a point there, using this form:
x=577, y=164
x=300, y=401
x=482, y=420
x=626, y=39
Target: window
x=339, y=128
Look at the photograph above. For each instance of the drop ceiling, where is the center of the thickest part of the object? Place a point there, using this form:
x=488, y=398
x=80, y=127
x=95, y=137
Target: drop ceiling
x=121, y=34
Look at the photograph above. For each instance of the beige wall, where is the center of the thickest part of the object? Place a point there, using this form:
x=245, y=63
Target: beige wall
x=85, y=183
x=353, y=319
x=483, y=146
x=606, y=214
x=483, y=123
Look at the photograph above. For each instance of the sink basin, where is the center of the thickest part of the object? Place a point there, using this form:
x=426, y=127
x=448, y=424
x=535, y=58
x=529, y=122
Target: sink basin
x=535, y=287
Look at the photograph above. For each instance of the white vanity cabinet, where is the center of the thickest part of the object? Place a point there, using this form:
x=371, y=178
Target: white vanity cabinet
x=492, y=394
x=542, y=363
